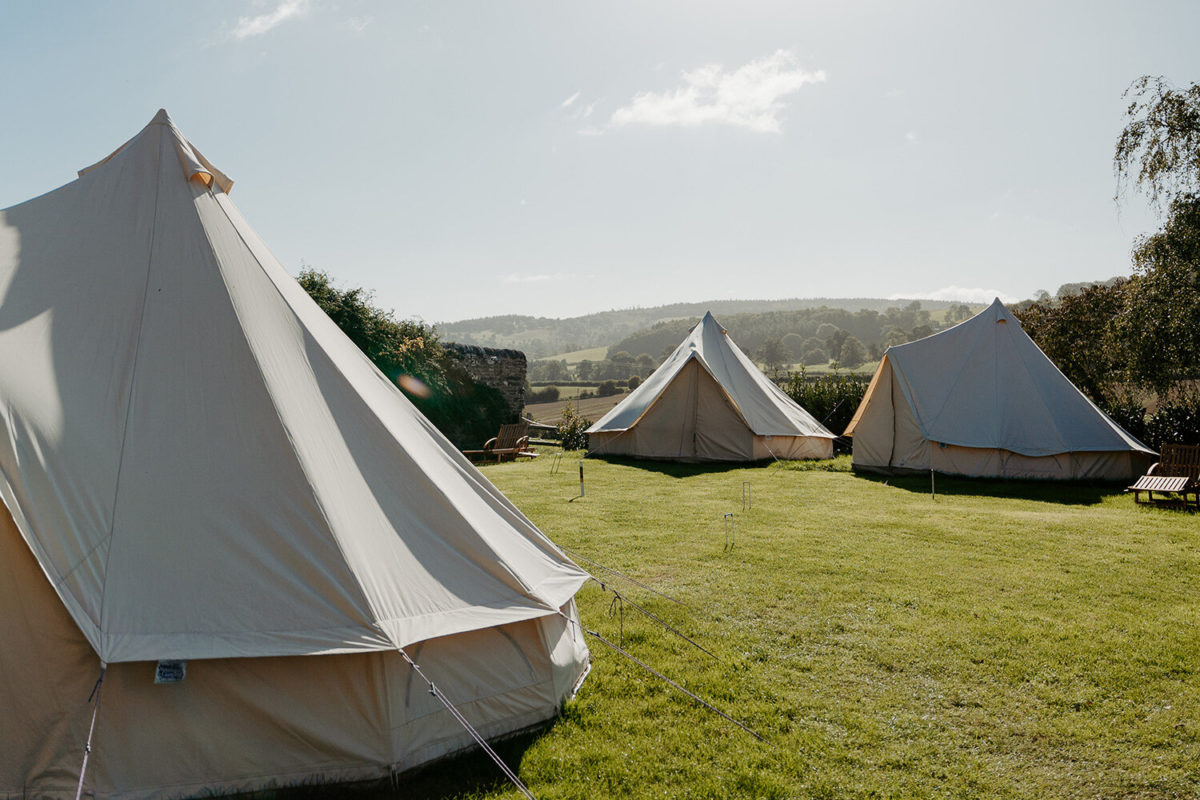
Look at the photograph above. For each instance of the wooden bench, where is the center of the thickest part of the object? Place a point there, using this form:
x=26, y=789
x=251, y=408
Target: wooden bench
x=1176, y=477
x=510, y=443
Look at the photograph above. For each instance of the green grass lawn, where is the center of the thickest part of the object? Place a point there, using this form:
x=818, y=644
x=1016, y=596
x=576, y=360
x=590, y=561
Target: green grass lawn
x=1008, y=640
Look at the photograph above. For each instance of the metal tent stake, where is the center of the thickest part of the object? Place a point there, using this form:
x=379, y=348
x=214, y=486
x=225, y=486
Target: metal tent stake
x=932, y=486
x=729, y=532
x=747, y=499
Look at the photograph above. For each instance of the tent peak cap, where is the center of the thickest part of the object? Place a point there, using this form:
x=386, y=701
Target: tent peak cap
x=709, y=319
x=194, y=165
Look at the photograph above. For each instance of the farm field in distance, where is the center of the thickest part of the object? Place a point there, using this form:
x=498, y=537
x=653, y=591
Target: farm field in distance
x=1008, y=640
x=591, y=407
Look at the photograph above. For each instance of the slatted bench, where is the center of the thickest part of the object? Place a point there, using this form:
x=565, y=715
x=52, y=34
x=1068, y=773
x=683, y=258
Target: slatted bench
x=1176, y=478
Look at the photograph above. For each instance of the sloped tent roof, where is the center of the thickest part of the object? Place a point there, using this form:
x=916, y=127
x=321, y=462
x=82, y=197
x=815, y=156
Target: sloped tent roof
x=203, y=465
x=984, y=383
x=763, y=406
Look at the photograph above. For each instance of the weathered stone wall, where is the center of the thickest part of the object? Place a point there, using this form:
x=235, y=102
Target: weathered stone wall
x=503, y=370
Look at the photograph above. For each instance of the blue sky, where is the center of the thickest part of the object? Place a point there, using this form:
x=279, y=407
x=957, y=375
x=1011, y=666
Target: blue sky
x=475, y=158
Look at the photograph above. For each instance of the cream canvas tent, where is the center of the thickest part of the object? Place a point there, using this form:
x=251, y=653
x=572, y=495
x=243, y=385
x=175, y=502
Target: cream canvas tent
x=196, y=465
x=981, y=399
x=709, y=402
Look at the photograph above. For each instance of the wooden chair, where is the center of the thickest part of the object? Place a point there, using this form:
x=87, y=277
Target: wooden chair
x=510, y=443
x=1176, y=477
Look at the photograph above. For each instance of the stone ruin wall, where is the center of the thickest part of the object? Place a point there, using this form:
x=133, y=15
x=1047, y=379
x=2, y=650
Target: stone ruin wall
x=501, y=369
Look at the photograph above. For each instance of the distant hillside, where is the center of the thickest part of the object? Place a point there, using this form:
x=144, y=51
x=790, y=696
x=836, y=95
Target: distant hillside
x=752, y=330
x=540, y=337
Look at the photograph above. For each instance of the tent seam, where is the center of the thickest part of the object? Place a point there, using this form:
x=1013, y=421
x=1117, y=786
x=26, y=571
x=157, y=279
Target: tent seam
x=137, y=352
x=317, y=500
x=529, y=590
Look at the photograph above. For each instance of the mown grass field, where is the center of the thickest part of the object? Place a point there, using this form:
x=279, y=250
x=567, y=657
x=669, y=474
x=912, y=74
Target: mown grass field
x=1000, y=640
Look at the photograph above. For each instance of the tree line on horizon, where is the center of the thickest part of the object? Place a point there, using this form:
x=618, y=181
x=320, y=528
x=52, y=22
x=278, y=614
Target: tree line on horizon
x=1131, y=344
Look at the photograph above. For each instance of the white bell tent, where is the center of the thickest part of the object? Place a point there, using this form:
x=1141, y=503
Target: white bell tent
x=196, y=465
x=709, y=402
x=981, y=399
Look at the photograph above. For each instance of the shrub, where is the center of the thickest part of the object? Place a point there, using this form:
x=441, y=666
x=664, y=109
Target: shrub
x=548, y=394
x=572, y=428
x=607, y=389
x=1177, y=422
x=832, y=398
x=634, y=382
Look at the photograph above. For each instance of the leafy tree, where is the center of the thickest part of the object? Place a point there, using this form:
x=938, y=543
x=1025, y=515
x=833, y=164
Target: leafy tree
x=1160, y=326
x=1159, y=149
x=774, y=354
x=408, y=352
x=607, y=389
x=957, y=313
x=794, y=342
x=398, y=347
x=1076, y=333
x=834, y=343
x=584, y=370
x=1158, y=152
x=853, y=353
x=815, y=355
x=825, y=330
x=634, y=382
x=549, y=370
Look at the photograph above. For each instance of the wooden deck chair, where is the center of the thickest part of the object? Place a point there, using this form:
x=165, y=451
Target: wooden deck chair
x=510, y=443
x=1176, y=477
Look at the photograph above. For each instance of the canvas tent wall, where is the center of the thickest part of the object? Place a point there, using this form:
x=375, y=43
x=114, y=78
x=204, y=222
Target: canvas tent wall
x=981, y=399
x=196, y=464
x=709, y=402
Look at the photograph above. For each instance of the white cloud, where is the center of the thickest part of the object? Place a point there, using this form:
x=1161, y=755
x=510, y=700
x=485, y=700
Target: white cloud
x=256, y=26
x=569, y=101
x=358, y=24
x=750, y=97
x=538, y=277
x=959, y=294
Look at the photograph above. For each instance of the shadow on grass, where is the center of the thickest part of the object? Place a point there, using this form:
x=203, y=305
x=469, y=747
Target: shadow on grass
x=468, y=774
x=1061, y=492
x=678, y=469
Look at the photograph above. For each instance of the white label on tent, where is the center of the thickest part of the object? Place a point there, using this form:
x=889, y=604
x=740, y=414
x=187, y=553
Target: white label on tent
x=170, y=671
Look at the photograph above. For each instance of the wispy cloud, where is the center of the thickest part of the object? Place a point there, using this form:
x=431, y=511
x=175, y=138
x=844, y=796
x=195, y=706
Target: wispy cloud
x=911, y=137
x=749, y=97
x=541, y=277
x=358, y=24
x=569, y=101
x=248, y=27
x=961, y=294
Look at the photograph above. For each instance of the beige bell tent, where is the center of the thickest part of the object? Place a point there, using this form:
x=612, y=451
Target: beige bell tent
x=981, y=399
x=709, y=402
x=197, y=466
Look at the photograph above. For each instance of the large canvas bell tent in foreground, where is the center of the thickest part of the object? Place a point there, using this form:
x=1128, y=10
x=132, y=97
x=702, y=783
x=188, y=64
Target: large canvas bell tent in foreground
x=709, y=402
x=196, y=465
x=981, y=399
